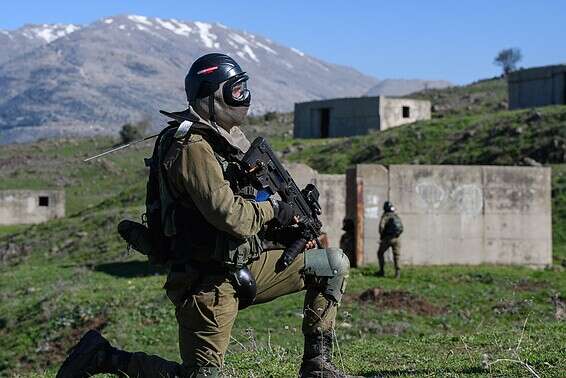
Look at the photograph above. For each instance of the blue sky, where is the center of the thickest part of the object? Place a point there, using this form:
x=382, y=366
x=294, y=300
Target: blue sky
x=451, y=40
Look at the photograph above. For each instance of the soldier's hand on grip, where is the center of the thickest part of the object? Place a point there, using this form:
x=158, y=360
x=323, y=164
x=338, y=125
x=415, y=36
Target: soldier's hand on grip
x=283, y=212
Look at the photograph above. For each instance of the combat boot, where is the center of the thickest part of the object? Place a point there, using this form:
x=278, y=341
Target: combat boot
x=92, y=355
x=317, y=358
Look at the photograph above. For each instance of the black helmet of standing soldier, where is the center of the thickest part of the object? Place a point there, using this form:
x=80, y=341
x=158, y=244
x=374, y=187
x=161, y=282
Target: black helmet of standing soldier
x=388, y=207
x=216, y=88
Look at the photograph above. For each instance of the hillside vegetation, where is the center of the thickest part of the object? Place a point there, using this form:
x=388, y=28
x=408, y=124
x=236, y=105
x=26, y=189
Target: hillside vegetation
x=65, y=276
x=522, y=137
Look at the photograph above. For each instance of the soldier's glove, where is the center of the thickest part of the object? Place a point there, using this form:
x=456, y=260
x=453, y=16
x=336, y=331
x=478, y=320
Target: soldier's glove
x=283, y=235
x=282, y=212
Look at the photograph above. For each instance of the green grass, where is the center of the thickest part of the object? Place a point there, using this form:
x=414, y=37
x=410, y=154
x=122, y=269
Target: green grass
x=77, y=275
x=11, y=229
x=47, y=306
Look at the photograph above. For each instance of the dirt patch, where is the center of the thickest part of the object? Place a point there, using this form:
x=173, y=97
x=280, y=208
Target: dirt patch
x=525, y=284
x=512, y=307
x=53, y=350
x=397, y=300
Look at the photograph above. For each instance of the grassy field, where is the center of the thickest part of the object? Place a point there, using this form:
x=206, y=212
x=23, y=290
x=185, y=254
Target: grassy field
x=63, y=277
x=434, y=321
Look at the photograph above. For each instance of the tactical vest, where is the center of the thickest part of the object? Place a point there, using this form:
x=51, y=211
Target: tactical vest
x=193, y=238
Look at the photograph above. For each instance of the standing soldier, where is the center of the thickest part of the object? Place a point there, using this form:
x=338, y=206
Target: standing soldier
x=215, y=224
x=390, y=229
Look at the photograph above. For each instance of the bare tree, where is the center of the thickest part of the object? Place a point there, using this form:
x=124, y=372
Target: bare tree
x=508, y=59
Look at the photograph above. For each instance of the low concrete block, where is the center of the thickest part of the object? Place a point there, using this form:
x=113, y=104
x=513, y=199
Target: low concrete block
x=31, y=206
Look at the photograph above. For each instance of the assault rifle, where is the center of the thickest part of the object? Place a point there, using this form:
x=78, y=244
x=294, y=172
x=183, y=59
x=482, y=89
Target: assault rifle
x=267, y=174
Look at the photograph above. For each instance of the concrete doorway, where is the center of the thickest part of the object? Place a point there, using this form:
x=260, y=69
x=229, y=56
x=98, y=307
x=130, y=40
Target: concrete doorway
x=324, y=122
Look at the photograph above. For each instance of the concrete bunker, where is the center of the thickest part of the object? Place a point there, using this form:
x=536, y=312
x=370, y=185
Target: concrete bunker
x=31, y=206
x=538, y=86
x=355, y=116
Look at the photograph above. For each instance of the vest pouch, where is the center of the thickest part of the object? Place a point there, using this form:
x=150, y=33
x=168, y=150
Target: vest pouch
x=179, y=284
x=234, y=252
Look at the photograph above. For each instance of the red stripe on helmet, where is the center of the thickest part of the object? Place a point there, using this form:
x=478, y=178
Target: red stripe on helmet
x=208, y=70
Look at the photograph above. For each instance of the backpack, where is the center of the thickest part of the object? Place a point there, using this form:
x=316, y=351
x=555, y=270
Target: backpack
x=149, y=236
x=393, y=227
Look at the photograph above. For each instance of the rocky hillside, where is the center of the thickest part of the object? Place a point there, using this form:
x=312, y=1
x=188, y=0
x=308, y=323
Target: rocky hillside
x=82, y=81
x=480, y=97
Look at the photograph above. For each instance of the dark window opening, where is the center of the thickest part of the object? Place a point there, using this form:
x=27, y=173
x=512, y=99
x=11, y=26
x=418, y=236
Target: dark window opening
x=406, y=112
x=324, y=122
x=43, y=201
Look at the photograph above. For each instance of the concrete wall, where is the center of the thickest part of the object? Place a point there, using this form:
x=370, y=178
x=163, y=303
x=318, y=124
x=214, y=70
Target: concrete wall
x=459, y=214
x=332, y=199
x=538, y=86
x=356, y=116
x=391, y=111
x=332, y=190
x=23, y=206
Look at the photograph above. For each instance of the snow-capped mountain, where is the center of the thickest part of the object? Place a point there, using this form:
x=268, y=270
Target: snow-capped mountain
x=94, y=78
x=29, y=37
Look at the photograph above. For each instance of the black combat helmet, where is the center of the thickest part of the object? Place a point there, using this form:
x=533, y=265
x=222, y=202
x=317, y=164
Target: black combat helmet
x=209, y=71
x=388, y=207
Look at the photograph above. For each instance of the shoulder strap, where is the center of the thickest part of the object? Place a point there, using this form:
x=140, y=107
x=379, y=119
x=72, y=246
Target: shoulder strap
x=217, y=143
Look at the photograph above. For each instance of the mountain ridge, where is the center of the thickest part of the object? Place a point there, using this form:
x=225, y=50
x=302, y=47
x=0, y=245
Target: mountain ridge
x=80, y=80
x=125, y=68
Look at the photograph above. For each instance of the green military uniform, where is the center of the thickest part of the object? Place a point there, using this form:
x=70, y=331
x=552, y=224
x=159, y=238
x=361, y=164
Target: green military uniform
x=205, y=300
x=199, y=198
x=388, y=241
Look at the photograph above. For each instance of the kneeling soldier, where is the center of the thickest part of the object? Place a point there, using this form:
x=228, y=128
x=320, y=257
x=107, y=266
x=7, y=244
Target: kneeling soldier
x=216, y=222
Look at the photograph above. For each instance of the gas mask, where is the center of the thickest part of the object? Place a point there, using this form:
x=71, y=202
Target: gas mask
x=229, y=104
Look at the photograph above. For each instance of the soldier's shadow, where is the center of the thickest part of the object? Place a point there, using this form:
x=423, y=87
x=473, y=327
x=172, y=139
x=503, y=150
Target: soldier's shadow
x=129, y=269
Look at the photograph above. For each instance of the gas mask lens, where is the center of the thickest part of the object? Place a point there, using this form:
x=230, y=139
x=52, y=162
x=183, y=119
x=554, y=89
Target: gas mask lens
x=240, y=90
x=235, y=91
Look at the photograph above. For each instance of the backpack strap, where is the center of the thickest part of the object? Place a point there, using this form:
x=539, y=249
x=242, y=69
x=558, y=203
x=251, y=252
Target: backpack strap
x=183, y=130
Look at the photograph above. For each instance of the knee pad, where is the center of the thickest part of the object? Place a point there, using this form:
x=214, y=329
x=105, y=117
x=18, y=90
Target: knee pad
x=332, y=266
